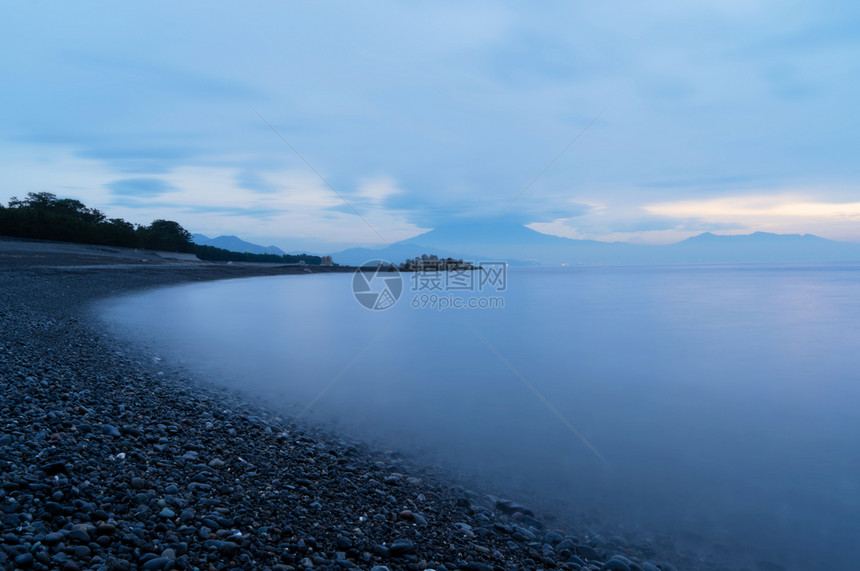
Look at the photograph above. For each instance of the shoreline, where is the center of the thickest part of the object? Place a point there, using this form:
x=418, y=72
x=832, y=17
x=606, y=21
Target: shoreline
x=133, y=469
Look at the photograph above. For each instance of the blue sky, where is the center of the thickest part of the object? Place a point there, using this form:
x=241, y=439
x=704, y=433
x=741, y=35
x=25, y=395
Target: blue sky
x=721, y=116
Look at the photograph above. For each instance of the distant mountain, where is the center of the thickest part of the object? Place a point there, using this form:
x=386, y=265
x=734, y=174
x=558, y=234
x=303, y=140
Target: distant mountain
x=518, y=244
x=761, y=247
x=512, y=243
x=235, y=244
x=502, y=241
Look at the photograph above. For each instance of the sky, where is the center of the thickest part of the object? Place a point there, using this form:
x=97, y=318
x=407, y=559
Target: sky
x=279, y=121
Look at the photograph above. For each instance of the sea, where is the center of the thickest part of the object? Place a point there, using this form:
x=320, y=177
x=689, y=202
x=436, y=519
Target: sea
x=712, y=408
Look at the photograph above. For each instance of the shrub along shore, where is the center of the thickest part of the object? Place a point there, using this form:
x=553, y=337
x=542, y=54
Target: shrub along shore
x=45, y=216
x=107, y=464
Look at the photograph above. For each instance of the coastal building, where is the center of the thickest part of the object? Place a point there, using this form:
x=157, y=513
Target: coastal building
x=433, y=263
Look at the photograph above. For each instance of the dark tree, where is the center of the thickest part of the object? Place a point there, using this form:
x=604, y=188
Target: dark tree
x=167, y=235
x=44, y=216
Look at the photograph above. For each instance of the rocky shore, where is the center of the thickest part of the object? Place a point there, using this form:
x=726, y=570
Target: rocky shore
x=107, y=464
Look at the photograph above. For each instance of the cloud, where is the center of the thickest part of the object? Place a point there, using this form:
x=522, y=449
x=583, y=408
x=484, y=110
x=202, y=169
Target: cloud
x=136, y=73
x=133, y=157
x=254, y=180
x=426, y=115
x=739, y=207
x=637, y=231
x=140, y=187
x=178, y=209
x=620, y=222
x=708, y=182
x=377, y=190
x=209, y=199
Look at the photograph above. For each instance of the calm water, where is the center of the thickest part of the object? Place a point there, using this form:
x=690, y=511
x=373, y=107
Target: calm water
x=721, y=402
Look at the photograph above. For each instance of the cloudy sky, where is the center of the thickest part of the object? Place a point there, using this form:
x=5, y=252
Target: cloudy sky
x=728, y=116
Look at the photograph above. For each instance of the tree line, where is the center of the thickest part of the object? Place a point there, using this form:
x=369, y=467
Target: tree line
x=44, y=216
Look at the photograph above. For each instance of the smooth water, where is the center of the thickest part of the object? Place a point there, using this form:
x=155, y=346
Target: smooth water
x=714, y=404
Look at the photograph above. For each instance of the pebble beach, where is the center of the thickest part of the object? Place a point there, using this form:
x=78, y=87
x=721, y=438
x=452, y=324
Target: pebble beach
x=108, y=463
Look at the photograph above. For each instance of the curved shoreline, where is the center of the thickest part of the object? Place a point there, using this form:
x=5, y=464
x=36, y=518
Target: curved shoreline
x=109, y=465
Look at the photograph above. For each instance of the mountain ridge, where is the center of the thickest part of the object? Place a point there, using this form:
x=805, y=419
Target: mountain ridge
x=522, y=245
x=235, y=244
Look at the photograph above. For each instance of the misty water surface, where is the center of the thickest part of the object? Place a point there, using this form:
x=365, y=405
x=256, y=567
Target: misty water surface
x=721, y=401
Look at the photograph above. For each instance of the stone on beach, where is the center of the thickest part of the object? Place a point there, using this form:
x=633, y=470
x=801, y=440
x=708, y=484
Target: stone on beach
x=200, y=478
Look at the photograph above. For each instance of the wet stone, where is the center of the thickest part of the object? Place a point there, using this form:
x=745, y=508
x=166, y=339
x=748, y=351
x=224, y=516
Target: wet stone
x=401, y=547
x=111, y=430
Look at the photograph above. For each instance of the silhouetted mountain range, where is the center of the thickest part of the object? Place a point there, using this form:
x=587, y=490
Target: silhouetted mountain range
x=235, y=244
x=518, y=244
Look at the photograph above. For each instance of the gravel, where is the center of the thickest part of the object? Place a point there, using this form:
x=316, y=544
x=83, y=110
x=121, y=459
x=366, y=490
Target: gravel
x=105, y=464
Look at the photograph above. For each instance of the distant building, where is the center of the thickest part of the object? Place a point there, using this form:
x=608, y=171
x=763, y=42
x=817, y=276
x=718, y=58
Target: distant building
x=326, y=261
x=433, y=263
